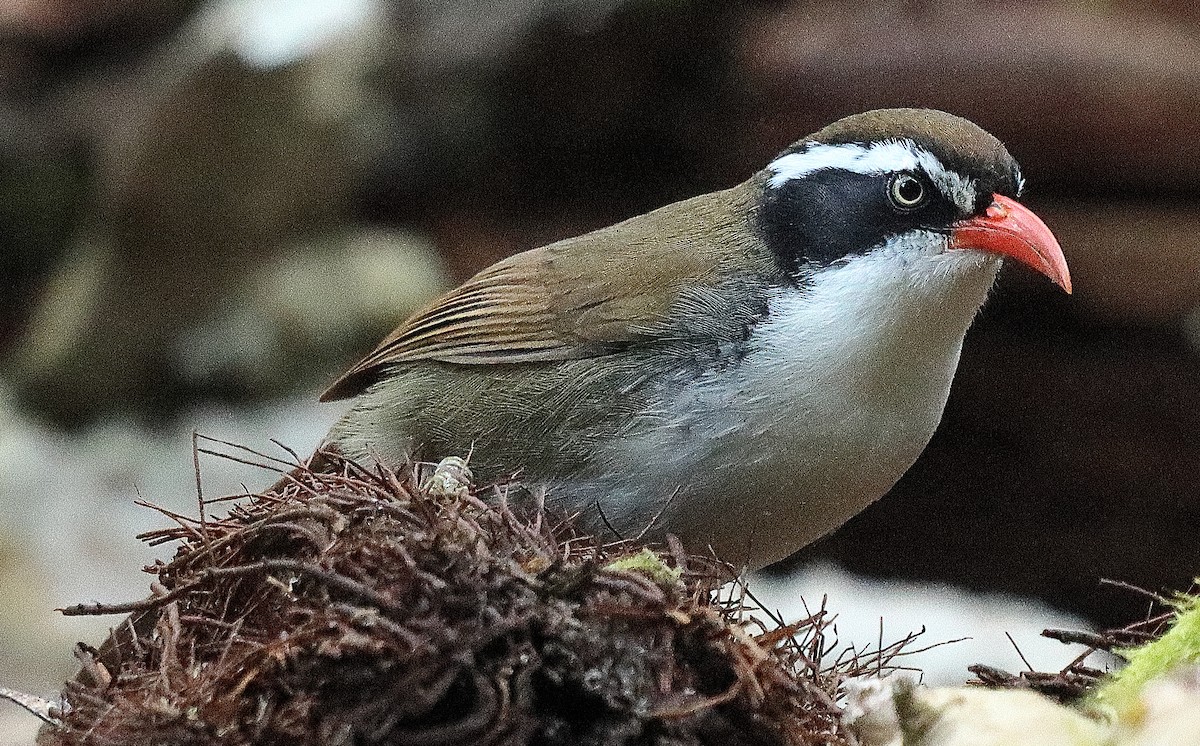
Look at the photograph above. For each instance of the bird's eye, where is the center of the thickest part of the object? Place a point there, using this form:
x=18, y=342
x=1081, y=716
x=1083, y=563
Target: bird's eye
x=906, y=191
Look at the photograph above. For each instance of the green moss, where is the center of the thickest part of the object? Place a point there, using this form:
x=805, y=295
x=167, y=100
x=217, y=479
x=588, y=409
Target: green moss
x=649, y=564
x=1179, y=646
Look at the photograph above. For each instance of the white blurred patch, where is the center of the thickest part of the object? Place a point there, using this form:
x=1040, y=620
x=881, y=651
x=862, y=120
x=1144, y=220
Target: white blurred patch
x=17, y=728
x=945, y=612
x=274, y=33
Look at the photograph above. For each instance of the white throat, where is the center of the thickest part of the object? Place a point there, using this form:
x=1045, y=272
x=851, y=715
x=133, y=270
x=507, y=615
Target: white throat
x=841, y=389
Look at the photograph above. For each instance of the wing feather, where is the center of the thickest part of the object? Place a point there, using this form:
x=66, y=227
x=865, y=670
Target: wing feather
x=577, y=298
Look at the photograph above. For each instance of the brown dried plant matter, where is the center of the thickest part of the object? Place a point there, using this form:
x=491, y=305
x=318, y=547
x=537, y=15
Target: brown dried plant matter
x=355, y=607
x=1080, y=677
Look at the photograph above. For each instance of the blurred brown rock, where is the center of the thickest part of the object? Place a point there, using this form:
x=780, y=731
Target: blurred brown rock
x=1137, y=262
x=206, y=166
x=1093, y=98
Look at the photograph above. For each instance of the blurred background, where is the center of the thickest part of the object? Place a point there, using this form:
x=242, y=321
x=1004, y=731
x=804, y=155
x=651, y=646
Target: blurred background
x=208, y=208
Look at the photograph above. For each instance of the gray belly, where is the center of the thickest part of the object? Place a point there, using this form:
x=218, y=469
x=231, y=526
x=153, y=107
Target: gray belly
x=755, y=495
x=757, y=472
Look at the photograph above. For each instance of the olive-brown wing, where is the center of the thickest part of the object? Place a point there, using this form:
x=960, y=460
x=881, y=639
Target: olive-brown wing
x=582, y=297
x=575, y=299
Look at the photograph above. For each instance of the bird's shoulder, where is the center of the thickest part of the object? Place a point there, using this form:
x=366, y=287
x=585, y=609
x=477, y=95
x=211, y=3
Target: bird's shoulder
x=590, y=295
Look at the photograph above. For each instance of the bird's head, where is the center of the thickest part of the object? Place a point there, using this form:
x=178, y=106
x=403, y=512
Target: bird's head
x=926, y=188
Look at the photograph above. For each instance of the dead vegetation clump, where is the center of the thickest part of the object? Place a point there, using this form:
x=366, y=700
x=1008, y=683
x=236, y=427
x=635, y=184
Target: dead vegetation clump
x=371, y=607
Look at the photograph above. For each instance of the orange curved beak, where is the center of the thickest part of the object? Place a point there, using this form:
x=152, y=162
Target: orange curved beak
x=1008, y=228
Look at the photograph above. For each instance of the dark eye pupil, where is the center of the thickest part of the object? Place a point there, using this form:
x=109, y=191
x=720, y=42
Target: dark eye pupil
x=909, y=190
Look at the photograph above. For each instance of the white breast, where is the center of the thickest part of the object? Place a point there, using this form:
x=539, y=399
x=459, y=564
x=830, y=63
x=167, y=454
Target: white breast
x=840, y=390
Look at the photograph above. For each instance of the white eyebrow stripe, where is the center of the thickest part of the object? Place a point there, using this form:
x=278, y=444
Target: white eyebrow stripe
x=887, y=156
x=879, y=158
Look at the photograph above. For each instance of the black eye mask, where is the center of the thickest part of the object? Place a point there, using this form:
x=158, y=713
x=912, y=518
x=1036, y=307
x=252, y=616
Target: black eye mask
x=814, y=220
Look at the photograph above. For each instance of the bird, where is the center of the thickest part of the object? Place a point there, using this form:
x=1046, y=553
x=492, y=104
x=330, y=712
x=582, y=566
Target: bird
x=746, y=369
